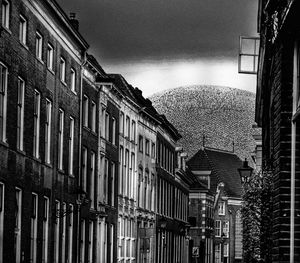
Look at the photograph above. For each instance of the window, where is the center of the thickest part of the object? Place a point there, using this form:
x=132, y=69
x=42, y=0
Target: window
x=82, y=241
x=221, y=208
x=18, y=224
x=106, y=181
x=92, y=179
x=20, y=124
x=71, y=146
x=238, y=235
x=122, y=123
x=62, y=69
x=218, y=228
x=248, y=55
x=45, y=230
x=60, y=138
x=127, y=123
x=126, y=167
x=153, y=150
x=56, y=231
x=85, y=111
x=5, y=13
x=90, y=242
x=133, y=128
x=23, y=30
x=147, y=146
x=141, y=142
x=226, y=228
x=218, y=253
x=48, y=131
x=93, y=117
x=70, y=233
x=63, y=233
x=113, y=139
x=33, y=229
x=113, y=167
x=36, y=132
x=226, y=251
x=1, y=219
x=107, y=126
x=73, y=80
x=121, y=170
x=3, y=101
x=50, y=56
x=84, y=169
x=111, y=243
x=38, y=45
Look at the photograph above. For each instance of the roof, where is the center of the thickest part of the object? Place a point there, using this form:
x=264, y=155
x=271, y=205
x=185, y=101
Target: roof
x=223, y=166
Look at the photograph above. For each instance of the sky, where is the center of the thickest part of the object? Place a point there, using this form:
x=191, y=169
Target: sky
x=163, y=44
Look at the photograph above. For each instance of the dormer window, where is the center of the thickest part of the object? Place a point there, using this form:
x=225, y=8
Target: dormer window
x=221, y=208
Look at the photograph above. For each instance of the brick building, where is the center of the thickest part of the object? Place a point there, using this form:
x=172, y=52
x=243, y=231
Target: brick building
x=277, y=112
x=215, y=202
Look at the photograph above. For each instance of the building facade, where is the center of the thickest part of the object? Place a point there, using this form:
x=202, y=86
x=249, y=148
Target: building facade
x=277, y=111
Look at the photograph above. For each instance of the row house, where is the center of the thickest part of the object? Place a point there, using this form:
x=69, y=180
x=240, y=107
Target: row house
x=41, y=57
x=277, y=113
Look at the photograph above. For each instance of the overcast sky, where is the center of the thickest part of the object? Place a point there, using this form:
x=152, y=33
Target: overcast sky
x=163, y=44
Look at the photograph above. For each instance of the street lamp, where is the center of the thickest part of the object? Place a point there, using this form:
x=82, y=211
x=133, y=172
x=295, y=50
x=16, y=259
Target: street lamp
x=245, y=172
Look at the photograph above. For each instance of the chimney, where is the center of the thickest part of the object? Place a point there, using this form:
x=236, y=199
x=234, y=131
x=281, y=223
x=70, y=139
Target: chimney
x=74, y=21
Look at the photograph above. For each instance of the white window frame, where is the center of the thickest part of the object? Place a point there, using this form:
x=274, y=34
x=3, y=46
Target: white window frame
x=127, y=127
x=85, y=111
x=45, y=230
x=73, y=80
x=218, y=228
x=111, y=243
x=36, y=126
x=50, y=56
x=93, y=117
x=226, y=228
x=23, y=30
x=2, y=203
x=226, y=250
x=92, y=178
x=221, y=208
x=71, y=146
x=70, y=233
x=61, y=118
x=218, y=251
x=48, y=127
x=39, y=46
x=113, y=139
x=56, y=231
x=5, y=13
x=62, y=67
x=20, y=119
x=33, y=229
x=133, y=130
x=3, y=101
x=84, y=169
x=18, y=225
x=122, y=123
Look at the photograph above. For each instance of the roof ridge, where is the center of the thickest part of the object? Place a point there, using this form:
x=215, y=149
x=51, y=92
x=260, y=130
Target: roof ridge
x=219, y=150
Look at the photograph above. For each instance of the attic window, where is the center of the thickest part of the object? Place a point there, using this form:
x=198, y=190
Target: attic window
x=221, y=208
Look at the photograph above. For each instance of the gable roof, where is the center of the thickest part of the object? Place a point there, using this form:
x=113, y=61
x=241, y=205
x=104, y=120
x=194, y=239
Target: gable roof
x=223, y=166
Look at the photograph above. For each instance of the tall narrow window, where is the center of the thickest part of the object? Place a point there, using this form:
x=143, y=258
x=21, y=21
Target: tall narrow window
x=3, y=101
x=141, y=143
x=90, y=242
x=73, y=80
x=36, y=127
x=71, y=146
x=122, y=123
x=1, y=220
x=70, y=234
x=133, y=131
x=106, y=181
x=93, y=117
x=92, y=179
x=38, y=45
x=147, y=147
x=132, y=173
x=62, y=69
x=50, y=56
x=23, y=30
x=127, y=127
x=63, y=233
x=48, y=131
x=33, y=230
x=84, y=169
x=226, y=228
x=5, y=13
x=218, y=228
x=82, y=241
x=153, y=150
x=61, y=118
x=126, y=167
x=107, y=126
x=18, y=224
x=121, y=158
x=113, y=132
x=221, y=208
x=238, y=235
x=20, y=124
x=56, y=231
x=85, y=111
x=112, y=192
x=45, y=230
x=111, y=243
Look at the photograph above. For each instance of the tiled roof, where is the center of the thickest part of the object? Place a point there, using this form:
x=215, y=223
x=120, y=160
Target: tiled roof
x=223, y=166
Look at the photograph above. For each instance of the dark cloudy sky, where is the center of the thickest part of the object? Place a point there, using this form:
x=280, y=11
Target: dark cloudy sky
x=162, y=44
